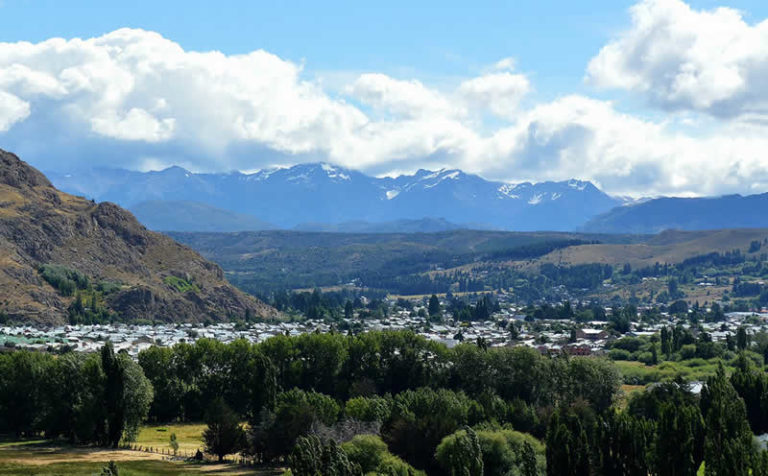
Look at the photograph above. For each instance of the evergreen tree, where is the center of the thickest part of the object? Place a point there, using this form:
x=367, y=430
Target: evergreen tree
x=433, y=308
x=624, y=444
x=224, y=434
x=568, y=449
x=114, y=394
x=528, y=463
x=679, y=439
x=728, y=441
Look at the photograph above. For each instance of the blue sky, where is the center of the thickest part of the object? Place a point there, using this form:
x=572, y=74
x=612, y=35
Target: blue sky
x=439, y=46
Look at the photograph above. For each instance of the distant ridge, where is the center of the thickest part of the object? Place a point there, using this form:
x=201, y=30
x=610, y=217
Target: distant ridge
x=322, y=194
x=424, y=225
x=653, y=216
x=179, y=215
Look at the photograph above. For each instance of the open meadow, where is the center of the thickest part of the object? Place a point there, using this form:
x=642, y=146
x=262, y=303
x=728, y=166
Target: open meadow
x=50, y=458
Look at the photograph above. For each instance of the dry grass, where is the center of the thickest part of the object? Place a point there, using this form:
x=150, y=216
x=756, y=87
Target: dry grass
x=44, y=458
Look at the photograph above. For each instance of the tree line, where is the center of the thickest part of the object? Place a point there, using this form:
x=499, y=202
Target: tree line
x=394, y=403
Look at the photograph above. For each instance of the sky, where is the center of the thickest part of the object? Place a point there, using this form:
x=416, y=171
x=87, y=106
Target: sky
x=644, y=97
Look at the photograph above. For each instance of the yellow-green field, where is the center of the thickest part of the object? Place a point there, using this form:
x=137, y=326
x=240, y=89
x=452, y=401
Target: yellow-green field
x=188, y=436
x=47, y=458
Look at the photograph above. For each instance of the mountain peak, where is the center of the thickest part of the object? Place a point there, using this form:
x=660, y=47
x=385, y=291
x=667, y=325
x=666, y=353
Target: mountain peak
x=18, y=174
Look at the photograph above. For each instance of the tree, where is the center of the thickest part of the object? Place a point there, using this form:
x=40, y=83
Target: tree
x=114, y=394
x=421, y=418
x=433, y=308
x=224, y=434
x=110, y=470
x=528, y=456
x=370, y=453
x=623, y=444
x=679, y=439
x=728, y=441
x=312, y=457
x=460, y=455
x=742, y=339
x=568, y=449
x=174, y=444
x=274, y=434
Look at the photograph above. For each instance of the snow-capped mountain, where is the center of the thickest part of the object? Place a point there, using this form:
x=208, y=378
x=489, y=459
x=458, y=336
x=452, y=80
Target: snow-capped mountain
x=321, y=193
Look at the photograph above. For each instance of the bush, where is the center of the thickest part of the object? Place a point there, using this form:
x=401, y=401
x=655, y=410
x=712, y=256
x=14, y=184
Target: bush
x=65, y=280
x=619, y=354
x=368, y=409
x=688, y=352
x=373, y=456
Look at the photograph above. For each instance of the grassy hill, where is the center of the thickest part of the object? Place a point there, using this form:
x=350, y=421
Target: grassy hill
x=667, y=247
x=64, y=257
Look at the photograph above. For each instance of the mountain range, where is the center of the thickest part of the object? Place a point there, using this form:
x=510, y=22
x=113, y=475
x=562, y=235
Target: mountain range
x=708, y=213
x=320, y=196
x=64, y=257
x=324, y=197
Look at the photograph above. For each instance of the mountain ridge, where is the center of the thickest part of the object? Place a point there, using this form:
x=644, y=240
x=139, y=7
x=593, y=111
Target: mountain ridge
x=703, y=213
x=331, y=195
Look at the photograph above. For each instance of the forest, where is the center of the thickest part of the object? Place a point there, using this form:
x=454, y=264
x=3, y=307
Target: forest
x=395, y=403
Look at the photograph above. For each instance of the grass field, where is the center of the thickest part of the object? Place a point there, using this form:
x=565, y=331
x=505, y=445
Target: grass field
x=46, y=458
x=189, y=437
x=637, y=373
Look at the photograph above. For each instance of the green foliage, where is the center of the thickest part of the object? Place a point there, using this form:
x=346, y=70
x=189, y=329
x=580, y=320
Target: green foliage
x=460, y=454
x=87, y=398
x=728, y=441
x=224, y=434
x=422, y=418
x=274, y=434
x=568, y=448
x=174, y=443
x=504, y=451
x=65, y=280
x=312, y=457
x=369, y=409
x=110, y=469
x=373, y=456
x=181, y=285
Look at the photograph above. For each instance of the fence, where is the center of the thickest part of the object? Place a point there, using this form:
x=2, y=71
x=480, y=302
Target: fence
x=183, y=455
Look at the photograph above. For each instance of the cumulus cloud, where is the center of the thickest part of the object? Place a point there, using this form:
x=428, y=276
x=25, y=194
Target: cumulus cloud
x=500, y=93
x=132, y=98
x=686, y=59
x=404, y=98
x=12, y=110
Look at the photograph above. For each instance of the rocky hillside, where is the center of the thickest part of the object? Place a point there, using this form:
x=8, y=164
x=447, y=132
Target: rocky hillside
x=64, y=258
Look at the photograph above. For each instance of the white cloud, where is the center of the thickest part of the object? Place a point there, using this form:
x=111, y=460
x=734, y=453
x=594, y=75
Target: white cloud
x=401, y=98
x=132, y=98
x=681, y=58
x=12, y=110
x=498, y=92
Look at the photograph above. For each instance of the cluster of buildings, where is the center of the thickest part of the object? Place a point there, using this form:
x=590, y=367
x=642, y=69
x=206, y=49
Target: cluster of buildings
x=506, y=328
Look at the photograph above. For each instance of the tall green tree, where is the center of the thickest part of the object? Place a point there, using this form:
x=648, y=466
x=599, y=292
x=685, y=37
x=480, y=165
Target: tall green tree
x=460, y=455
x=728, y=441
x=224, y=434
x=114, y=394
x=568, y=449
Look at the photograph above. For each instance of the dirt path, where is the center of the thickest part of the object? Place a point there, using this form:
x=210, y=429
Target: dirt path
x=39, y=456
